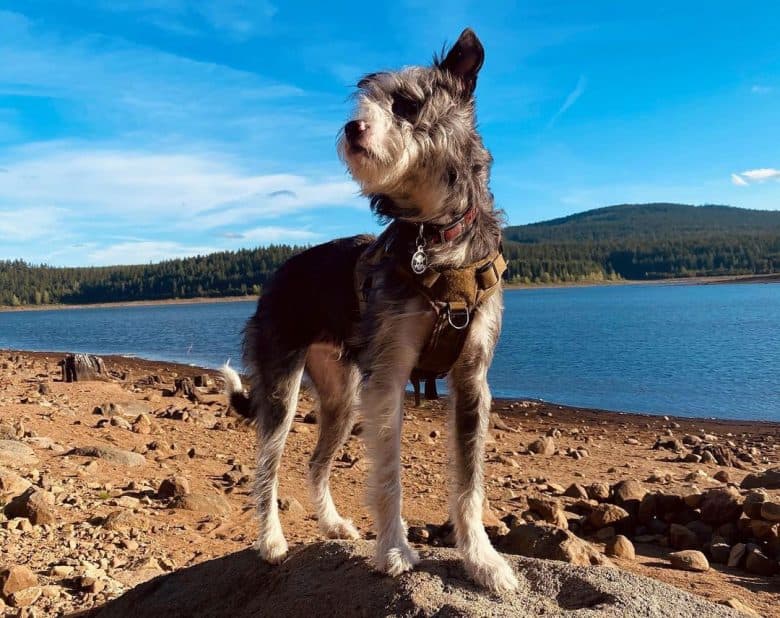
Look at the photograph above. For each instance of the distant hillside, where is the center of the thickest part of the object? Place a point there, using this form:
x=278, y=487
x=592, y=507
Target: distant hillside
x=646, y=241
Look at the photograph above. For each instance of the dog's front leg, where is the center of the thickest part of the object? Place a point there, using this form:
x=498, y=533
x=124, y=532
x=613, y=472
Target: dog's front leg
x=392, y=354
x=468, y=383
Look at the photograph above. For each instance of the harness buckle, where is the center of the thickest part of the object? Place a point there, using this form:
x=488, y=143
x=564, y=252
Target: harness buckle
x=463, y=315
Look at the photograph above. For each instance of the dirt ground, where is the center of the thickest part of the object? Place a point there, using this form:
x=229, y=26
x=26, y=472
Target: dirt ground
x=214, y=452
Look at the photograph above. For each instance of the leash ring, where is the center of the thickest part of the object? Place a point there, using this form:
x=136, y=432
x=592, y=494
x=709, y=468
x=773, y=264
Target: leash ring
x=458, y=326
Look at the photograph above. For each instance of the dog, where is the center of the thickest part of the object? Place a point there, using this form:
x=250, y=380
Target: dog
x=413, y=148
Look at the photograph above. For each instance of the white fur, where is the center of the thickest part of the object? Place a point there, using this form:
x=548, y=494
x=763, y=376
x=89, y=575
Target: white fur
x=232, y=379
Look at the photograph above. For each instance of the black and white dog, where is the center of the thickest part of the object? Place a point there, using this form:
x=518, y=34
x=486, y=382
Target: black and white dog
x=413, y=148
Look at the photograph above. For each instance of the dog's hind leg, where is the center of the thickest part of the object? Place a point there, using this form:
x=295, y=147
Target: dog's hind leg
x=275, y=399
x=336, y=381
x=468, y=383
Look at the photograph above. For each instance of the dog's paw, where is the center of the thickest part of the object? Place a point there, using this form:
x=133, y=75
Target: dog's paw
x=493, y=572
x=397, y=560
x=273, y=549
x=340, y=529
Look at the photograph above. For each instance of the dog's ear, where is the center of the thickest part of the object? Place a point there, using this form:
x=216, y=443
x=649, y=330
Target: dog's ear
x=465, y=59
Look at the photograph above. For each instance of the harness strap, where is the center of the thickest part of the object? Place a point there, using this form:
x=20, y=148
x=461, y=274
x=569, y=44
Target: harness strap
x=454, y=295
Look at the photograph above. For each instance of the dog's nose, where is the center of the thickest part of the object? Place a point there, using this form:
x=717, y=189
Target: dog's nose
x=354, y=129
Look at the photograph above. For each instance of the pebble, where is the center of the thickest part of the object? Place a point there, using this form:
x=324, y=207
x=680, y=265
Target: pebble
x=689, y=560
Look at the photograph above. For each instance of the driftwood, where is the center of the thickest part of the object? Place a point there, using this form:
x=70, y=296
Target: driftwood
x=81, y=367
x=430, y=388
x=183, y=387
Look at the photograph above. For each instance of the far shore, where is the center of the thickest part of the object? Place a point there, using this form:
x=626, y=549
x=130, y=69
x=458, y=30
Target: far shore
x=772, y=278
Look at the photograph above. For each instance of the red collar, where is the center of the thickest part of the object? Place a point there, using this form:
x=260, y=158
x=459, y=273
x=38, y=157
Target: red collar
x=441, y=234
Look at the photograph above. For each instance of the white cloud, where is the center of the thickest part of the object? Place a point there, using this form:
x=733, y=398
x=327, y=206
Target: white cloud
x=177, y=190
x=24, y=224
x=571, y=99
x=757, y=175
x=279, y=235
x=143, y=252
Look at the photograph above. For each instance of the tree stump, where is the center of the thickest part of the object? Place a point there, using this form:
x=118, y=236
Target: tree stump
x=81, y=367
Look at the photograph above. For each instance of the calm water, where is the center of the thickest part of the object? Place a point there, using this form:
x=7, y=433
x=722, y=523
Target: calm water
x=688, y=350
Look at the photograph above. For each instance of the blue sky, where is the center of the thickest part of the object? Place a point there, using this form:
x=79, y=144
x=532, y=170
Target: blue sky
x=134, y=131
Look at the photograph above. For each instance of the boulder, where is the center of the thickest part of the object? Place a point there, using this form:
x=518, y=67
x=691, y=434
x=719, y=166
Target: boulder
x=15, y=578
x=771, y=511
x=721, y=505
x=36, y=505
x=689, y=560
x=620, y=547
x=768, y=479
x=552, y=543
x=598, y=491
x=754, y=501
x=211, y=504
x=335, y=579
x=17, y=453
x=607, y=515
x=760, y=564
x=681, y=537
x=11, y=484
x=628, y=491
x=111, y=454
x=543, y=446
x=174, y=487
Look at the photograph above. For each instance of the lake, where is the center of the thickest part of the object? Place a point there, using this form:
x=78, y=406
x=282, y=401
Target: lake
x=692, y=350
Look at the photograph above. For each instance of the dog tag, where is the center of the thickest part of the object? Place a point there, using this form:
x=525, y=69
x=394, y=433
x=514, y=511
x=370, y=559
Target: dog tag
x=419, y=261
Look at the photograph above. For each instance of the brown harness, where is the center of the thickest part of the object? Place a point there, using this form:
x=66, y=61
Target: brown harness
x=454, y=295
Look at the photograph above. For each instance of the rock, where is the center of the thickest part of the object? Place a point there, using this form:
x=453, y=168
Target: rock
x=681, y=537
x=310, y=418
x=15, y=578
x=34, y=504
x=737, y=554
x=598, y=491
x=111, y=454
x=202, y=503
x=18, y=453
x=723, y=476
x=753, y=503
x=25, y=598
x=576, y=491
x=741, y=607
x=621, y=547
x=689, y=560
x=550, y=510
x=770, y=511
x=721, y=505
x=551, y=543
x=174, y=487
x=719, y=553
x=11, y=484
x=123, y=520
x=768, y=479
x=543, y=446
x=292, y=506
x=760, y=564
x=607, y=515
x=627, y=491
x=335, y=579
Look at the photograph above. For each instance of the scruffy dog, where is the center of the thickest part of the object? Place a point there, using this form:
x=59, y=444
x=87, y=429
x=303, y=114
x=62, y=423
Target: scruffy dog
x=413, y=148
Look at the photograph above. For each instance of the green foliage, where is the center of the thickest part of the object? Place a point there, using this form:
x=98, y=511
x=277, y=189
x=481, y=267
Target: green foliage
x=649, y=241
x=645, y=241
x=229, y=273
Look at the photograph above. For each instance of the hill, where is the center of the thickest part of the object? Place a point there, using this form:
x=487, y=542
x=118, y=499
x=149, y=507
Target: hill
x=645, y=241
x=629, y=241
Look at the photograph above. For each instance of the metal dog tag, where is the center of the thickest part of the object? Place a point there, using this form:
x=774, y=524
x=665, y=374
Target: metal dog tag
x=419, y=260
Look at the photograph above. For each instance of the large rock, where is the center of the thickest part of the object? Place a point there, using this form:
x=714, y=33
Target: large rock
x=768, y=479
x=721, y=506
x=11, y=484
x=36, y=505
x=18, y=453
x=211, y=504
x=607, y=515
x=551, y=543
x=689, y=560
x=111, y=454
x=15, y=578
x=335, y=579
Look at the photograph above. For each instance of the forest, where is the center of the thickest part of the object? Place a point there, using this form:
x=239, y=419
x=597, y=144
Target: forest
x=629, y=241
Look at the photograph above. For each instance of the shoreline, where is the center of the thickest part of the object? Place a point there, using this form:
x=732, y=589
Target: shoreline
x=504, y=403
x=714, y=280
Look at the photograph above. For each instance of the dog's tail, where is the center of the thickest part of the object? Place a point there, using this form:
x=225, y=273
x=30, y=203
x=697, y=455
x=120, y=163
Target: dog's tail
x=239, y=400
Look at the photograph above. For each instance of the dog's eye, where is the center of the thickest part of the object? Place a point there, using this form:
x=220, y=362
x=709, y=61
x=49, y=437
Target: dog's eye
x=406, y=107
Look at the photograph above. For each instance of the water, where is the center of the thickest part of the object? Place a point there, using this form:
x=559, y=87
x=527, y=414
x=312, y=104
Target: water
x=667, y=349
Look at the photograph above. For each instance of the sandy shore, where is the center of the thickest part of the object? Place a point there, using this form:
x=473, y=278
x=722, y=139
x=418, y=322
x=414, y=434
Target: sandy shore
x=200, y=442
x=775, y=278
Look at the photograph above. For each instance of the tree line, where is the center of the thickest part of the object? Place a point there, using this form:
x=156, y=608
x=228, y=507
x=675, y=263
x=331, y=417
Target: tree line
x=633, y=242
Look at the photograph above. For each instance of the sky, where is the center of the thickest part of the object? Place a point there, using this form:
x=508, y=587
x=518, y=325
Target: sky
x=136, y=131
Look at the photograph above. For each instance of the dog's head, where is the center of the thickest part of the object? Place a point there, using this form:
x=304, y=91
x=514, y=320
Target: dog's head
x=412, y=143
